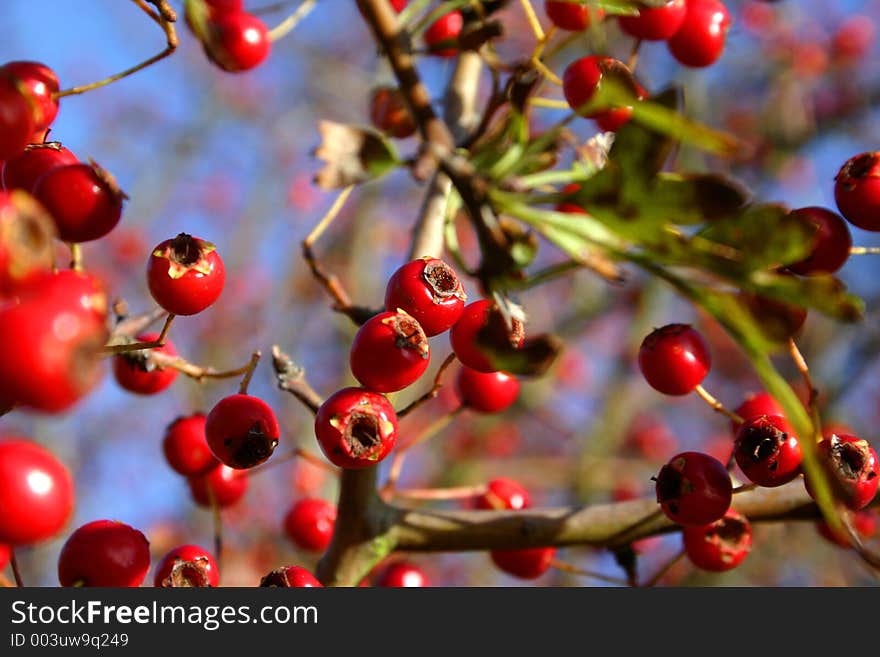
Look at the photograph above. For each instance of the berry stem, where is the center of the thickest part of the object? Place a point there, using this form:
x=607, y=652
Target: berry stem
x=801, y=364
x=75, y=256
x=16, y=573
x=716, y=405
x=532, y=19
x=217, y=522
x=665, y=568
x=249, y=373
x=296, y=453
x=292, y=378
x=165, y=18
x=865, y=250
x=433, y=392
x=575, y=570
x=633, y=59
x=552, y=103
x=111, y=349
x=454, y=493
x=288, y=24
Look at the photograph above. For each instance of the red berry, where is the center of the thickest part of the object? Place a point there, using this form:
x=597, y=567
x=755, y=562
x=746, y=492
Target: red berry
x=5, y=555
x=570, y=15
x=187, y=566
x=83, y=199
x=529, y=563
x=36, y=492
x=694, y=489
x=104, y=553
x=767, y=451
x=650, y=437
x=41, y=83
x=291, y=577
x=567, y=206
x=237, y=41
x=225, y=485
x=864, y=522
x=402, y=574
x=430, y=291
x=309, y=523
x=242, y=431
x=583, y=78
x=655, y=23
x=853, y=39
x=356, y=428
x=481, y=323
x=23, y=170
x=831, y=242
x=757, y=403
x=857, y=191
x=135, y=372
x=504, y=493
x=674, y=359
x=721, y=545
x=389, y=352
x=398, y=5
x=16, y=117
x=186, y=448
x=700, y=39
x=486, y=392
x=441, y=37
x=185, y=275
x=390, y=113
x=778, y=320
x=80, y=290
x=27, y=245
x=853, y=467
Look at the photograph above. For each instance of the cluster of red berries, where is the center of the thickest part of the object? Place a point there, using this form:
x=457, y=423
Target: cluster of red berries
x=231, y=38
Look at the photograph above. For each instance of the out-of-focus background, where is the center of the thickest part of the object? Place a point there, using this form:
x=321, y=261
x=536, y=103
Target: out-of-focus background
x=228, y=157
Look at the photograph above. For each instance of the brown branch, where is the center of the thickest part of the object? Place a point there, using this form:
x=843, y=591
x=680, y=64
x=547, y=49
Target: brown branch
x=432, y=393
x=292, y=378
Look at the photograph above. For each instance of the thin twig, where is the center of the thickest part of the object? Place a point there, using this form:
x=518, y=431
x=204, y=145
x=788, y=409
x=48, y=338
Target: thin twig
x=801, y=364
x=16, y=573
x=432, y=393
x=295, y=453
x=289, y=23
x=716, y=405
x=575, y=570
x=664, y=569
x=292, y=378
x=249, y=373
x=76, y=261
x=141, y=346
x=865, y=250
x=454, y=493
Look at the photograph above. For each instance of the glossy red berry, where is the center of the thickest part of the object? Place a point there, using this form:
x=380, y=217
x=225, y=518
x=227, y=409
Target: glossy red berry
x=104, y=553
x=655, y=23
x=356, y=428
x=674, y=359
x=135, y=372
x=767, y=451
x=25, y=169
x=291, y=577
x=853, y=467
x=5, y=555
x=441, y=37
x=242, y=431
x=185, y=275
x=570, y=16
x=529, y=563
x=857, y=191
x=187, y=566
x=237, y=41
x=398, y=5
x=36, y=492
x=486, y=392
x=481, y=323
x=756, y=403
x=430, y=291
x=390, y=113
x=83, y=199
x=16, y=117
x=402, y=574
x=700, y=39
x=831, y=242
x=389, y=352
x=721, y=545
x=694, y=488
x=504, y=493
x=864, y=522
x=27, y=245
x=309, y=523
x=40, y=83
x=186, y=447
x=583, y=78
x=225, y=485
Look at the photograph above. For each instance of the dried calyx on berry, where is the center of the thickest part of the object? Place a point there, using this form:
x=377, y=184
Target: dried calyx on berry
x=290, y=577
x=188, y=574
x=186, y=253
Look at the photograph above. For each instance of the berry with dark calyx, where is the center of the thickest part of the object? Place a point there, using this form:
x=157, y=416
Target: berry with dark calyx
x=767, y=451
x=36, y=492
x=857, y=191
x=864, y=522
x=571, y=16
x=136, y=372
x=504, y=493
x=237, y=41
x=242, y=431
x=27, y=241
x=16, y=117
x=41, y=83
x=486, y=392
x=83, y=199
x=481, y=323
x=104, y=553
x=187, y=566
x=441, y=37
x=853, y=468
x=756, y=403
x=356, y=428
x=25, y=169
x=309, y=523
x=402, y=574
x=700, y=39
x=655, y=23
x=186, y=447
x=430, y=291
x=390, y=113
x=185, y=274
x=291, y=577
x=720, y=545
x=674, y=359
x=693, y=488
x=831, y=242
x=529, y=563
x=224, y=484
x=389, y=352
